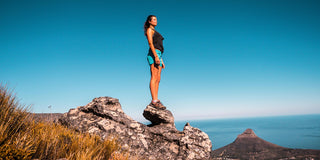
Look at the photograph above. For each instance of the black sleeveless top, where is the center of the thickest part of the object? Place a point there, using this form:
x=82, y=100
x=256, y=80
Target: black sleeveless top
x=157, y=41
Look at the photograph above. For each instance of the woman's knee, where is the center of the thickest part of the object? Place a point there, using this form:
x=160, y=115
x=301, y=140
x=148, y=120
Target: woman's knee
x=154, y=77
x=158, y=78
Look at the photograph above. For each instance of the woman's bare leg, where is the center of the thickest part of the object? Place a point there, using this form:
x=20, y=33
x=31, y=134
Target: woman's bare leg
x=154, y=82
x=158, y=80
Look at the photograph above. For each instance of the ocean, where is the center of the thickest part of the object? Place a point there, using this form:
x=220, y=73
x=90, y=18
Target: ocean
x=300, y=132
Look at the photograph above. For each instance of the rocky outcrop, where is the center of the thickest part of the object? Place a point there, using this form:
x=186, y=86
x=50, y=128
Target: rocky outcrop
x=249, y=146
x=160, y=140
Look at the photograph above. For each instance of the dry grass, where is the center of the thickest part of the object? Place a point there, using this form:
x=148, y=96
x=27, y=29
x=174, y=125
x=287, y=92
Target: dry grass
x=22, y=138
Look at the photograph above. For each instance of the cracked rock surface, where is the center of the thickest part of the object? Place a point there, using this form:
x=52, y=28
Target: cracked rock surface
x=161, y=140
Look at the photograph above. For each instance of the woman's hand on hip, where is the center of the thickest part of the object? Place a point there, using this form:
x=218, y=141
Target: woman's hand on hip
x=157, y=60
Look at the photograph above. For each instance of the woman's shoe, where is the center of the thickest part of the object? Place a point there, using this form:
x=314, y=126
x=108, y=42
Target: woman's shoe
x=161, y=106
x=158, y=105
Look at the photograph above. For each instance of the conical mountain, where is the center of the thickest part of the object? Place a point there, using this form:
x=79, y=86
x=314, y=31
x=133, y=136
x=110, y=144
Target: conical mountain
x=249, y=146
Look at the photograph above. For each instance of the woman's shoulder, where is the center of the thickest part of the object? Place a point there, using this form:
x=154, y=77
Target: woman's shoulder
x=150, y=29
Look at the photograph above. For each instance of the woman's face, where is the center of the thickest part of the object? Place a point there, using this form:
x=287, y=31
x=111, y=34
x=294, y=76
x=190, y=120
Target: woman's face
x=153, y=21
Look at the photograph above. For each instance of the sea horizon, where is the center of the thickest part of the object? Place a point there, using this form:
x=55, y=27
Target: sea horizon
x=292, y=131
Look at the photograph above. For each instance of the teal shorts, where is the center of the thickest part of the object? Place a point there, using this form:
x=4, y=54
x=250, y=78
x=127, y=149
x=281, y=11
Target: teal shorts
x=151, y=59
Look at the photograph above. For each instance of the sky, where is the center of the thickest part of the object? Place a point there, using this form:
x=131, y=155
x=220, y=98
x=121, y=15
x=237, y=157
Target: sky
x=224, y=58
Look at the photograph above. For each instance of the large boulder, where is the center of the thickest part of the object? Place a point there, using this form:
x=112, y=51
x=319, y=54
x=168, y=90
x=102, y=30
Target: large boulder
x=161, y=140
x=158, y=116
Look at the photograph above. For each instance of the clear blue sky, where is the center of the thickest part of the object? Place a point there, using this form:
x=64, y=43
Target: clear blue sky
x=226, y=58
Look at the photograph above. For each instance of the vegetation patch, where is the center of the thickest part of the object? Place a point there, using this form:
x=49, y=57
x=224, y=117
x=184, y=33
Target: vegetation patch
x=21, y=137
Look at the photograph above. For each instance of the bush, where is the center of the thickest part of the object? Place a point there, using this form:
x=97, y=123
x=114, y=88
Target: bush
x=22, y=138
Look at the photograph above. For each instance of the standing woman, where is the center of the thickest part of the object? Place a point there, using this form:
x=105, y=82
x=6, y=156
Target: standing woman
x=154, y=58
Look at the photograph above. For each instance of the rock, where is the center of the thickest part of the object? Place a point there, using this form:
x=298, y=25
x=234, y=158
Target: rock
x=195, y=143
x=158, y=116
x=249, y=146
x=161, y=140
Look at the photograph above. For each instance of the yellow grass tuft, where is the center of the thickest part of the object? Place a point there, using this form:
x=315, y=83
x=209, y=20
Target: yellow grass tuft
x=22, y=138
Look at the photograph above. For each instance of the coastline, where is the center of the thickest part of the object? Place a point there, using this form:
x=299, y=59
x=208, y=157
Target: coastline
x=303, y=133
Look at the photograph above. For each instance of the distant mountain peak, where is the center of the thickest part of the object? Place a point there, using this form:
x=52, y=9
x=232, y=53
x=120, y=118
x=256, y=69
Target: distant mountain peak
x=249, y=146
x=248, y=133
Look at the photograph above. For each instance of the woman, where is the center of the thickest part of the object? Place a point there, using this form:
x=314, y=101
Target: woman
x=154, y=58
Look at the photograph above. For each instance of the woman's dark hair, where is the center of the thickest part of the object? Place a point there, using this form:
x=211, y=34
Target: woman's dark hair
x=147, y=24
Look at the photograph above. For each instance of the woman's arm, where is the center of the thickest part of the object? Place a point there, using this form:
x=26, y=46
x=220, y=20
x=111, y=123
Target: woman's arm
x=150, y=33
